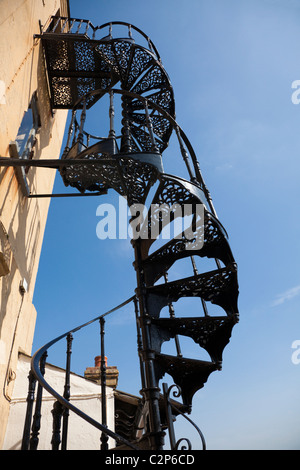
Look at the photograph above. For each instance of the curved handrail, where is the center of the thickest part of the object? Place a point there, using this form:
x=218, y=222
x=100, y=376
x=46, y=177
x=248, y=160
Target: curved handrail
x=35, y=362
x=193, y=424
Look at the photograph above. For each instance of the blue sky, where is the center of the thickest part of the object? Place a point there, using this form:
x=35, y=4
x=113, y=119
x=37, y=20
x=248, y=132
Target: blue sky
x=232, y=65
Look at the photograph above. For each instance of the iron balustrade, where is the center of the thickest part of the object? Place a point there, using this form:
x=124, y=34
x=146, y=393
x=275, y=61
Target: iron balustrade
x=62, y=405
x=77, y=26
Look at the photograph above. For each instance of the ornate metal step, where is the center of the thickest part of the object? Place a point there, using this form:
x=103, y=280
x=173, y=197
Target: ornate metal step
x=212, y=240
x=211, y=333
x=189, y=374
x=74, y=69
x=219, y=287
x=171, y=200
x=130, y=175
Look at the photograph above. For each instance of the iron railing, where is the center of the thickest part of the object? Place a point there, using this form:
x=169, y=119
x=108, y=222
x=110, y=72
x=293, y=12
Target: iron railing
x=62, y=405
x=86, y=29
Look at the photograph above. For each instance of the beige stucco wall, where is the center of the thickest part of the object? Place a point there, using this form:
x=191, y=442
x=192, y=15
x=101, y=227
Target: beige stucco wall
x=22, y=220
x=85, y=395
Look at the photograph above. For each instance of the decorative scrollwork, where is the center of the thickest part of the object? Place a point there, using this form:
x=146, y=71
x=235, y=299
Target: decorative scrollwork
x=178, y=443
x=176, y=394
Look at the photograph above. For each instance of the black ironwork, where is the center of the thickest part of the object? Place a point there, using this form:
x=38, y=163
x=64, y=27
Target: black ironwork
x=104, y=438
x=36, y=425
x=61, y=403
x=29, y=410
x=170, y=408
x=67, y=392
x=83, y=67
x=57, y=413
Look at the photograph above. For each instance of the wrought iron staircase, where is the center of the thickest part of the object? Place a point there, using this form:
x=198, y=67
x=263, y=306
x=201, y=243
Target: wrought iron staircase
x=85, y=67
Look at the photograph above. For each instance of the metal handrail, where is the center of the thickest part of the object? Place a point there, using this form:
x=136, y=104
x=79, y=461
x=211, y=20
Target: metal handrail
x=71, y=21
x=35, y=369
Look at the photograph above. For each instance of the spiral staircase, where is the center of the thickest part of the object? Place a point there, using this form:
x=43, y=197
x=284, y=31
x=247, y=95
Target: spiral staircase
x=85, y=66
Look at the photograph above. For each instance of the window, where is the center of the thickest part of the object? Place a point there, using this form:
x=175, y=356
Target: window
x=22, y=146
x=30, y=124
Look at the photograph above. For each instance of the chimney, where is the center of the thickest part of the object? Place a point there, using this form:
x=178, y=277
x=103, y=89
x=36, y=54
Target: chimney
x=94, y=373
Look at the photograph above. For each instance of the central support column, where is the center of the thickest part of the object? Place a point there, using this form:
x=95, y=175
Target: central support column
x=150, y=390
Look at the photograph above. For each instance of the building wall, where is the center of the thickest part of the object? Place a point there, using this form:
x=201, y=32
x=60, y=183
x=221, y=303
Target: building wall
x=85, y=395
x=22, y=220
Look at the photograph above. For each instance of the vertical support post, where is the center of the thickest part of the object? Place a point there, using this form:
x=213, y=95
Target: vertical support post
x=204, y=306
x=71, y=130
x=79, y=26
x=151, y=389
x=71, y=25
x=56, y=25
x=104, y=437
x=82, y=121
x=30, y=400
x=57, y=412
x=150, y=127
x=169, y=416
x=75, y=133
x=172, y=315
x=64, y=25
x=36, y=425
x=139, y=341
x=111, y=115
x=87, y=27
x=67, y=393
x=126, y=140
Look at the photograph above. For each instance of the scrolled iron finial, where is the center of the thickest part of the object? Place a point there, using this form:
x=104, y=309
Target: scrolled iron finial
x=184, y=447
x=176, y=394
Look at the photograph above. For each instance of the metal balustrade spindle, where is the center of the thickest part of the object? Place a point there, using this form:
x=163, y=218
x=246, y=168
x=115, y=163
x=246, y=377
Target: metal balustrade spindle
x=67, y=392
x=82, y=121
x=104, y=437
x=196, y=273
x=111, y=115
x=29, y=409
x=57, y=412
x=126, y=139
x=36, y=424
x=139, y=341
x=70, y=133
x=79, y=26
x=150, y=127
x=172, y=315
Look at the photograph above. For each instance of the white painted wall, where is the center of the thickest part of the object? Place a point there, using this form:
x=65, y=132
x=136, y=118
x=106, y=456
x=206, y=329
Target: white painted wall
x=85, y=395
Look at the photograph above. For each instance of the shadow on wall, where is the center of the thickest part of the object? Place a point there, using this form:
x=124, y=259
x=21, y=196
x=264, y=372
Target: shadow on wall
x=21, y=235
